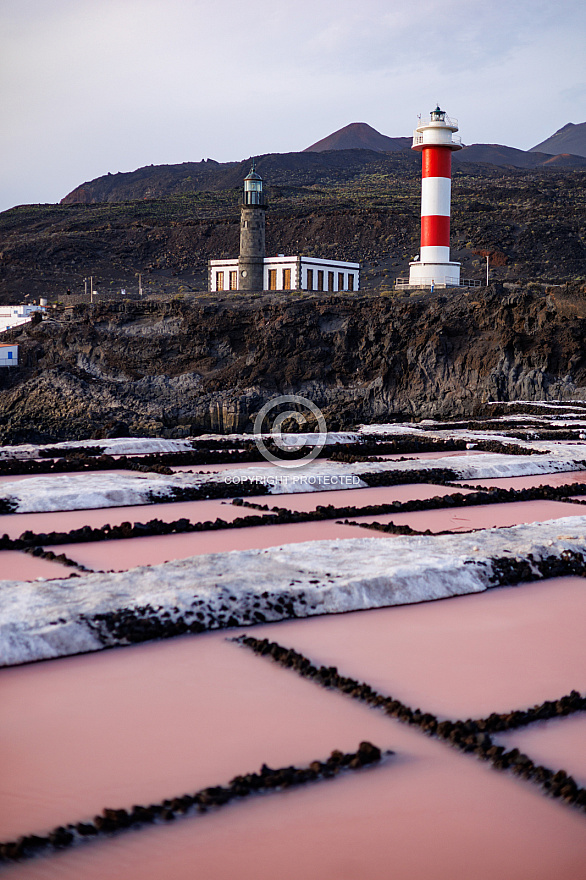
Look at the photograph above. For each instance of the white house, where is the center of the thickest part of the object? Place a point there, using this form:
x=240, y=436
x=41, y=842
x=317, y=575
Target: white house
x=13, y=316
x=8, y=355
x=290, y=273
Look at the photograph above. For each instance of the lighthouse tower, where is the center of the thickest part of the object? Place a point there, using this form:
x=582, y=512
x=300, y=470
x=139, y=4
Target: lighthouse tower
x=252, y=234
x=435, y=140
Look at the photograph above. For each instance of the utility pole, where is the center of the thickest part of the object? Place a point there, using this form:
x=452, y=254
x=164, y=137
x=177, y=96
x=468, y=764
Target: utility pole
x=139, y=284
x=91, y=288
x=487, y=268
x=85, y=286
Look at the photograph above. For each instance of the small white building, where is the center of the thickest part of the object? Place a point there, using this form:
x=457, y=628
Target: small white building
x=13, y=316
x=291, y=273
x=8, y=355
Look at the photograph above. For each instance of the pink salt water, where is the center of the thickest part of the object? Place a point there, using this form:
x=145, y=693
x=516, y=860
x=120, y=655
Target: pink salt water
x=129, y=553
x=423, y=815
x=18, y=566
x=411, y=456
x=431, y=455
x=559, y=479
x=139, y=724
x=223, y=466
x=306, y=501
x=559, y=744
x=486, y=516
x=62, y=521
x=16, y=478
x=464, y=657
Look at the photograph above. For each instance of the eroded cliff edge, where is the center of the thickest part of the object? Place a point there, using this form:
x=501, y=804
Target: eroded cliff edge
x=184, y=366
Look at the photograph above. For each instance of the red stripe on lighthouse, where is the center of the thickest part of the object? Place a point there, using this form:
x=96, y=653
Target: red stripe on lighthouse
x=436, y=162
x=435, y=231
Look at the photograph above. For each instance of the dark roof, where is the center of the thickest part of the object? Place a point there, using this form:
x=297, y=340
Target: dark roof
x=252, y=175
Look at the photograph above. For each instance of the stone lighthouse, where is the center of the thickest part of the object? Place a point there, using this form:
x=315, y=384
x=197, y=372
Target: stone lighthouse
x=252, y=234
x=253, y=271
x=435, y=140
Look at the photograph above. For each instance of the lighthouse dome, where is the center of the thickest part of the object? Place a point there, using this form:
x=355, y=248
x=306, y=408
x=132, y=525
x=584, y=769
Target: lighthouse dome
x=253, y=194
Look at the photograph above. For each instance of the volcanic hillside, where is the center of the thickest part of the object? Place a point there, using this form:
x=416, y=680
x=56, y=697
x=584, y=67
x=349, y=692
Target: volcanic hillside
x=359, y=136
x=166, y=222
x=569, y=139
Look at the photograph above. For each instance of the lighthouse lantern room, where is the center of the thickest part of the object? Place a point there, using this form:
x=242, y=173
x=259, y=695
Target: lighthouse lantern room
x=436, y=141
x=253, y=194
x=252, y=234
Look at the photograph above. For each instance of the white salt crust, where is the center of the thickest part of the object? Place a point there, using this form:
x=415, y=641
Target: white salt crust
x=99, y=490
x=42, y=620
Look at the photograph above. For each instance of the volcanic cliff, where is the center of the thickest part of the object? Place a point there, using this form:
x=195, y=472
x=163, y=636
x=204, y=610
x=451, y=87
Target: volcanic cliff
x=174, y=368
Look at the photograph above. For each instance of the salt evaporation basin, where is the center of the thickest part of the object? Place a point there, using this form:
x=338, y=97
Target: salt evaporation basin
x=559, y=743
x=464, y=657
x=138, y=724
x=63, y=521
x=16, y=565
x=485, y=516
x=218, y=468
x=561, y=479
x=131, y=552
x=307, y=501
x=426, y=813
x=430, y=455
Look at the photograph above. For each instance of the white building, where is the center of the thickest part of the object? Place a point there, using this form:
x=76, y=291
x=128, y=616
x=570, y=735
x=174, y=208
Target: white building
x=290, y=273
x=253, y=270
x=8, y=355
x=13, y=316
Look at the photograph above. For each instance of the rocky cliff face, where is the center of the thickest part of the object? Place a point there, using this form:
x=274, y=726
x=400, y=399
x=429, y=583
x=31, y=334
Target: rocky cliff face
x=181, y=367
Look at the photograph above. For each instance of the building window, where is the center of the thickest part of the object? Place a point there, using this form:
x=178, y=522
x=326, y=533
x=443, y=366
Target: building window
x=320, y=280
x=350, y=281
x=286, y=279
x=9, y=355
x=219, y=280
x=233, y=280
x=330, y=281
x=340, y=281
x=272, y=279
x=310, y=279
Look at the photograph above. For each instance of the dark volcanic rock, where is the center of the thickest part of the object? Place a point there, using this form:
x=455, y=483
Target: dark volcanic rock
x=165, y=222
x=182, y=367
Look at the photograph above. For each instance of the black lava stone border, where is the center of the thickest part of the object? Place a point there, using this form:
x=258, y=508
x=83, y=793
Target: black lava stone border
x=111, y=821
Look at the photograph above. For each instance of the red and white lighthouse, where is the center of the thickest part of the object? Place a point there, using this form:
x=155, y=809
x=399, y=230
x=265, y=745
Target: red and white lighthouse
x=435, y=140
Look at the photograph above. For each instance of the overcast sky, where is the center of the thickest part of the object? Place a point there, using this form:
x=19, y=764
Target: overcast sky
x=91, y=86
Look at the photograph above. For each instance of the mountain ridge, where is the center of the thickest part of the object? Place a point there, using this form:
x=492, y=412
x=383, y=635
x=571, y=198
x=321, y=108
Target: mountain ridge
x=354, y=146
x=570, y=138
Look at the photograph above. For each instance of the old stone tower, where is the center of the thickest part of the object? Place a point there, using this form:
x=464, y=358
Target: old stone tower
x=252, y=234
x=253, y=271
